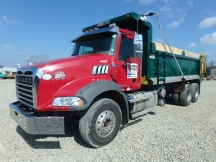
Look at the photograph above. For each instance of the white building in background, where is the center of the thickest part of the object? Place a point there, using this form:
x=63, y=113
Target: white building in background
x=8, y=70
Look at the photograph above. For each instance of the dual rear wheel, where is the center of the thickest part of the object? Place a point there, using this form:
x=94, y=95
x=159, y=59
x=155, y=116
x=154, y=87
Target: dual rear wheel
x=190, y=94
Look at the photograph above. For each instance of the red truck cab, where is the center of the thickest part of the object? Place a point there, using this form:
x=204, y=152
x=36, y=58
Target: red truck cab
x=98, y=56
x=102, y=67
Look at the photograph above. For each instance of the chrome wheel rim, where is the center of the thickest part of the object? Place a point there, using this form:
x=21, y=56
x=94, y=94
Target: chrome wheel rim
x=105, y=123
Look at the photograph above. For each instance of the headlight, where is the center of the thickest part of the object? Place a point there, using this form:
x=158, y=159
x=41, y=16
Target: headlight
x=67, y=101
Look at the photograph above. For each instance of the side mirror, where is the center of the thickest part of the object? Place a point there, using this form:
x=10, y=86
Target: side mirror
x=138, y=46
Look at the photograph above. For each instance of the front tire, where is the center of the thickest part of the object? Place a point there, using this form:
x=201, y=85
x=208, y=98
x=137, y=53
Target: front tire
x=101, y=123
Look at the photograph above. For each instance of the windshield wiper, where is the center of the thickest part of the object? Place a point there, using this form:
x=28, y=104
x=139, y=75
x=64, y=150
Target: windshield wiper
x=74, y=54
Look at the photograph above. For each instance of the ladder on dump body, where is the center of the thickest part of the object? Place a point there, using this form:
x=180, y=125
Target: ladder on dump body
x=161, y=70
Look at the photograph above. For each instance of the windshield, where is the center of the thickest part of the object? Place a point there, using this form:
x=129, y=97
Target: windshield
x=103, y=43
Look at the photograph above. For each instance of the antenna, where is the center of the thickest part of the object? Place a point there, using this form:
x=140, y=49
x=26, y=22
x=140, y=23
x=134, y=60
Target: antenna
x=137, y=15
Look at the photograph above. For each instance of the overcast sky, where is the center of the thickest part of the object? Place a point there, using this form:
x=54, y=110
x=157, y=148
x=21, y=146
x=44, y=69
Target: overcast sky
x=35, y=27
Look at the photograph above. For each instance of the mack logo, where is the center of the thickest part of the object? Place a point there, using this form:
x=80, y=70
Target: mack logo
x=24, y=80
x=103, y=23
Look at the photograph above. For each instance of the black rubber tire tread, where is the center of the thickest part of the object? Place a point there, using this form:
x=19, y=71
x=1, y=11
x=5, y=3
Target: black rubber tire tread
x=194, y=89
x=176, y=99
x=185, y=94
x=87, y=122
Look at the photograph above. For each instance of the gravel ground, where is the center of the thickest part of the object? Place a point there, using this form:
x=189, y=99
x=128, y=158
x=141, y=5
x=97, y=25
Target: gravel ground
x=171, y=133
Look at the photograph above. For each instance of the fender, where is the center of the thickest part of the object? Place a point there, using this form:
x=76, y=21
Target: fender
x=71, y=88
x=60, y=89
x=89, y=92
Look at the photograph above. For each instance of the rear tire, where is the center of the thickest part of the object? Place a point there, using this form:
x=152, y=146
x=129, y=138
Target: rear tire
x=194, y=92
x=101, y=123
x=176, y=99
x=186, y=96
x=161, y=101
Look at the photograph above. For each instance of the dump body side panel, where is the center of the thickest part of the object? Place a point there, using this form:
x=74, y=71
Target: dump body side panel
x=190, y=66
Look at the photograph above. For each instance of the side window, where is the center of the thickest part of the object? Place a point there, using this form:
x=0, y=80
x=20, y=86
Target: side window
x=126, y=48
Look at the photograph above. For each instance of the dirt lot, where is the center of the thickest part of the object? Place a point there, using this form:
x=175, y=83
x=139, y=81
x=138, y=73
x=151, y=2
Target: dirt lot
x=170, y=133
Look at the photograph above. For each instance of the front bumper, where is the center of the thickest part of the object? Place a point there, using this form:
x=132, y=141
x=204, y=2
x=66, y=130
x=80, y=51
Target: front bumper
x=34, y=124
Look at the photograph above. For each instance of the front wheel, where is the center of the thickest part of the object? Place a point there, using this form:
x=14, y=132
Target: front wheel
x=101, y=123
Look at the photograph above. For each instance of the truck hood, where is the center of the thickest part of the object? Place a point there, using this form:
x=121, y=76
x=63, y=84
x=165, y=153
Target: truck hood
x=75, y=61
x=64, y=77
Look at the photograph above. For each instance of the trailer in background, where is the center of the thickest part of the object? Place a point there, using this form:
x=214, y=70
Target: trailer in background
x=7, y=73
x=3, y=74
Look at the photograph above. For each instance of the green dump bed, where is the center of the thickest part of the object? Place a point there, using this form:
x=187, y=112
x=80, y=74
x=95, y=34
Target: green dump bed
x=161, y=64
x=158, y=63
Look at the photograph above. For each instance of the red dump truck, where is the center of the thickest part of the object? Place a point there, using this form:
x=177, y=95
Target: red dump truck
x=115, y=74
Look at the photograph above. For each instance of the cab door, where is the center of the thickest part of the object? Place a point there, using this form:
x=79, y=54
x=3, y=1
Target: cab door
x=128, y=70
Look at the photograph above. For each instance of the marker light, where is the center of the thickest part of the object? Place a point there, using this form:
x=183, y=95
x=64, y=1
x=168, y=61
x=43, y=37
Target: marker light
x=143, y=18
x=67, y=101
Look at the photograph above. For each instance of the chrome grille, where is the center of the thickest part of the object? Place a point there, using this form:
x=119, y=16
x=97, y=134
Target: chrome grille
x=27, y=82
x=24, y=87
